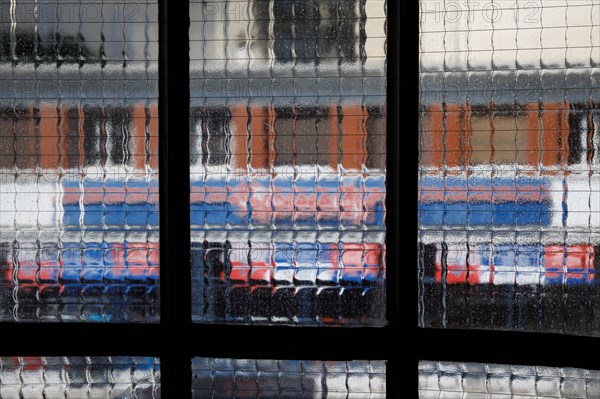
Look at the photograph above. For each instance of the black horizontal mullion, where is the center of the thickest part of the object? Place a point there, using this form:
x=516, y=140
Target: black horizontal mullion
x=250, y=342
x=81, y=339
x=299, y=343
x=508, y=347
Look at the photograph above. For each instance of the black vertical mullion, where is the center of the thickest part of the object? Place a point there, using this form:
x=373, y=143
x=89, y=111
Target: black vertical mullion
x=174, y=183
x=395, y=269
x=409, y=178
x=393, y=167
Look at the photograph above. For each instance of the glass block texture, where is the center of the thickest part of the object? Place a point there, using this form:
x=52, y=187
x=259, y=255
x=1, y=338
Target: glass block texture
x=80, y=377
x=509, y=166
x=453, y=380
x=288, y=161
x=79, y=161
x=271, y=379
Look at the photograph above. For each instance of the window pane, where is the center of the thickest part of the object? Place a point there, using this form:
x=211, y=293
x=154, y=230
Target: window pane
x=509, y=172
x=79, y=161
x=288, y=161
x=80, y=377
x=249, y=378
x=454, y=380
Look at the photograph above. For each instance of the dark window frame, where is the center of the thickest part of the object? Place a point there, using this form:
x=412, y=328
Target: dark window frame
x=176, y=340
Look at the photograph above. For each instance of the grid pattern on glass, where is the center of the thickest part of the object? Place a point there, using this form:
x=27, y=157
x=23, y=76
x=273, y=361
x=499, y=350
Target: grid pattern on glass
x=80, y=377
x=455, y=380
x=288, y=161
x=79, y=161
x=271, y=379
x=509, y=165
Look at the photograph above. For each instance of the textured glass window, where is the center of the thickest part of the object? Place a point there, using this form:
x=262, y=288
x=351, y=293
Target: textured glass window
x=80, y=377
x=288, y=158
x=247, y=378
x=474, y=380
x=78, y=161
x=509, y=165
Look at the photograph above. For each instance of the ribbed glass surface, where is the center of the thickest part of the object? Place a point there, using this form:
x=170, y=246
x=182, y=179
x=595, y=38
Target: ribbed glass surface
x=288, y=155
x=79, y=161
x=453, y=380
x=270, y=379
x=509, y=165
x=79, y=377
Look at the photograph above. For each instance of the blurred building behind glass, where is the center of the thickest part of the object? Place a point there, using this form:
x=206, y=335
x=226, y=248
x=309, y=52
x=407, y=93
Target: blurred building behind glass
x=509, y=198
x=288, y=161
x=78, y=161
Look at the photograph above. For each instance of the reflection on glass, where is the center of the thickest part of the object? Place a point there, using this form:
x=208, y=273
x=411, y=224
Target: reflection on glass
x=78, y=161
x=288, y=161
x=476, y=380
x=509, y=162
x=271, y=379
x=80, y=377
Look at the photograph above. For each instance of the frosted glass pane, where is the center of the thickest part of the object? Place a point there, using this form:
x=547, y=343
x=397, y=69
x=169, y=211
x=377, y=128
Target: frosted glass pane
x=288, y=158
x=271, y=379
x=80, y=377
x=509, y=166
x=453, y=380
x=79, y=161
